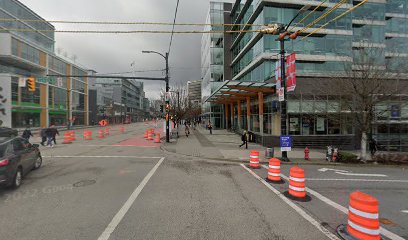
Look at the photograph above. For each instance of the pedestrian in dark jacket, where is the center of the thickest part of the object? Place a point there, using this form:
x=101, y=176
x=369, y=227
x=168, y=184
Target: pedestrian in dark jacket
x=49, y=132
x=43, y=136
x=210, y=127
x=27, y=134
x=244, y=139
x=373, y=147
x=55, y=132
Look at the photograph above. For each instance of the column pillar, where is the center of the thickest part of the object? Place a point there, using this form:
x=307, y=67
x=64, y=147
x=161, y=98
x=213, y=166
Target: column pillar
x=44, y=117
x=232, y=114
x=261, y=112
x=248, y=126
x=239, y=114
x=226, y=116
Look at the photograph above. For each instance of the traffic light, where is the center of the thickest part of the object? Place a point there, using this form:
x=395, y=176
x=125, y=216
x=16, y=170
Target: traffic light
x=31, y=84
x=161, y=108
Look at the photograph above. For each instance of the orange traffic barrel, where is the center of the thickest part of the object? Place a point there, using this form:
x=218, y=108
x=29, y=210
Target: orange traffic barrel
x=122, y=129
x=72, y=134
x=157, y=140
x=152, y=130
x=145, y=134
x=87, y=135
x=297, y=186
x=106, y=131
x=101, y=134
x=254, y=159
x=67, y=138
x=363, y=218
x=274, y=170
x=150, y=136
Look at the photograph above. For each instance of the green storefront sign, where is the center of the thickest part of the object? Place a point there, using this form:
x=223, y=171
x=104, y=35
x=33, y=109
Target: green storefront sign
x=50, y=80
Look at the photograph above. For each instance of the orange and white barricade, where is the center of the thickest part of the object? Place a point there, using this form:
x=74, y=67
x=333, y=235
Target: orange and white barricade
x=254, y=159
x=297, y=187
x=274, y=170
x=101, y=134
x=67, y=138
x=157, y=139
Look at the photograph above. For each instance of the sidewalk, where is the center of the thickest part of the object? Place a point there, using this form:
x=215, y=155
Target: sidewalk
x=224, y=145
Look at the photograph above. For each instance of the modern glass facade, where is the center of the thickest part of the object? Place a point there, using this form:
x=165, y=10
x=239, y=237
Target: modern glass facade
x=212, y=63
x=31, y=54
x=379, y=26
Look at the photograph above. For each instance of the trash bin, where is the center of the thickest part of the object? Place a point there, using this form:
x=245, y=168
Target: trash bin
x=269, y=152
x=251, y=137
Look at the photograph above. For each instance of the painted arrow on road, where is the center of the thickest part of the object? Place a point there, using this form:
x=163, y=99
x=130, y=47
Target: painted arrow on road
x=347, y=173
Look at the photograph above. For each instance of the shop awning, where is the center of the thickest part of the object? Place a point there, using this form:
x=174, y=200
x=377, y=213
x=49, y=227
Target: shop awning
x=231, y=91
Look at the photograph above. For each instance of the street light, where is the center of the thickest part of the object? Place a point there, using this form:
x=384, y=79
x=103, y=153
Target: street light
x=166, y=58
x=282, y=30
x=178, y=108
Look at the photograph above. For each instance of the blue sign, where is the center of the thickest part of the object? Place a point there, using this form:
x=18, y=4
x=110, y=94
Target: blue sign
x=286, y=143
x=395, y=111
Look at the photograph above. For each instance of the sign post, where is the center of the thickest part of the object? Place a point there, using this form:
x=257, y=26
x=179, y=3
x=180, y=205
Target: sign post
x=286, y=143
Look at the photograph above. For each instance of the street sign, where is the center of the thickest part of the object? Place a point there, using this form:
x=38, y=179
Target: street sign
x=103, y=123
x=59, y=82
x=22, y=82
x=281, y=92
x=286, y=143
x=167, y=97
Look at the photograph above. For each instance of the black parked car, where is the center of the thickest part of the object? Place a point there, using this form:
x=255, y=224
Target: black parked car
x=8, y=132
x=17, y=158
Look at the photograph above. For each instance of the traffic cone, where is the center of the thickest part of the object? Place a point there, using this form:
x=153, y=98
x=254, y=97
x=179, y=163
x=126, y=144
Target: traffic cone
x=254, y=159
x=157, y=140
x=363, y=218
x=152, y=130
x=72, y=133
x=87, y=135
x=150, y=136
x=274, y=170
x=101, y=134
x=145, y=134
x=67, y=138
x=297, y=186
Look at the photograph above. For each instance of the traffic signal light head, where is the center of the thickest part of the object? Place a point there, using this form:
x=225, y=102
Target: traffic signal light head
x=31, y=84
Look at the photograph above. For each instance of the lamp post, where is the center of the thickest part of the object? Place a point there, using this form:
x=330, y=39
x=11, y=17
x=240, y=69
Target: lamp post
x=166, y=58
x=282, y=30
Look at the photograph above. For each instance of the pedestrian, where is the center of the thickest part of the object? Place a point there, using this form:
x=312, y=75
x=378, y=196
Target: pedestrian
x=27, y=134
x=43, y=136
x=244, y=139
x=373, y=146
x=49, y=133
x=210, y=127
x=187, y=130
x=55, y=132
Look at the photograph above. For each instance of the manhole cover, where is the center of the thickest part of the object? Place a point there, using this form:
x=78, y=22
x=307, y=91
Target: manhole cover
x=84, y=183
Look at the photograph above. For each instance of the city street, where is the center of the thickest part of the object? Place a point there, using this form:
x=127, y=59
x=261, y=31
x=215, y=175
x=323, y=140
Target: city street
x=125, y=187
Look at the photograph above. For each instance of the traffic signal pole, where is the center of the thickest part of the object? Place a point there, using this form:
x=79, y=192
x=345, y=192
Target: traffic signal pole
x=167, y=92
x=283, y=104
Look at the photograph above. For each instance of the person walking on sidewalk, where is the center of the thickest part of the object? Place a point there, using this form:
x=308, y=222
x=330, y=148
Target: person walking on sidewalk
x=43, y=136
x=55, y=132
x=49, y=133
x=244, y=139
x=210, y=126
x=27, y=134
x=187, y=129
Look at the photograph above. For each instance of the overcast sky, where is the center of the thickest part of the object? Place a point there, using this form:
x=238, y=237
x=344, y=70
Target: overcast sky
x=106, y=53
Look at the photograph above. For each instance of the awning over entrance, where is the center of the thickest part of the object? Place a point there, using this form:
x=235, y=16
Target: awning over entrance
x=232, y=91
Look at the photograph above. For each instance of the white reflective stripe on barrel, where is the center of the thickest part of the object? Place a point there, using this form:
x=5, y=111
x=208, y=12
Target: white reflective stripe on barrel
x=274, y=174
x=373, y=232
x=296, y=188
x=254, y=156
x=297, y=179
x=363, y=214
x=253, y=162
x=274, y=167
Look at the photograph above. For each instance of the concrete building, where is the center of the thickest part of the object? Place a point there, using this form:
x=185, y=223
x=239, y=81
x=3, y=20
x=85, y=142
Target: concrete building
x=31, y=54
x=247, y=87
x=194, y=92
x=120, y=100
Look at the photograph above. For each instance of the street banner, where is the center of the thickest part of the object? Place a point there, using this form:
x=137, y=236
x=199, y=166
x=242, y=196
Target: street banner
x=22, y=82
x=281, y=92
x=278, y=74
x=291, y=72
x=286, y=143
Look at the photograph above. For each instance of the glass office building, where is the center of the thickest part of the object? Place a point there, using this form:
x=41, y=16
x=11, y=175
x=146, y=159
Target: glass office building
x=212, y=63
x=312, y=116
x=31, y=54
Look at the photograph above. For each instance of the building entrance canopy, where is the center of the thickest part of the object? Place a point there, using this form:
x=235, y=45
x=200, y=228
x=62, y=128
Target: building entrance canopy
x=232, y=91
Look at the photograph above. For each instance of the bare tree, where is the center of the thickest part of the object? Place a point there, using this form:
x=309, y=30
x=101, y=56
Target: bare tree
x=369, y=83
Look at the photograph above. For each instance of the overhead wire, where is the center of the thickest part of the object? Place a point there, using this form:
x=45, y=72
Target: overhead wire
x=323, y=16
x=172, y=31
x=336, y=18
x=308, y=15
x=125, y=23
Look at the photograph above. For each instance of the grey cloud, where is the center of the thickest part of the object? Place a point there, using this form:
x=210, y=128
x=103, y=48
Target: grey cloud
x=114, y=53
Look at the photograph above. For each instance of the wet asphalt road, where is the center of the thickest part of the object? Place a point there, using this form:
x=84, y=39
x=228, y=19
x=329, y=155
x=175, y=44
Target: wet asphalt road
x=83, y=187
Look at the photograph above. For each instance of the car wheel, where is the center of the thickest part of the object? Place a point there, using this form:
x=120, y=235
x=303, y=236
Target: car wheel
x=17, y=179
x=38, y=162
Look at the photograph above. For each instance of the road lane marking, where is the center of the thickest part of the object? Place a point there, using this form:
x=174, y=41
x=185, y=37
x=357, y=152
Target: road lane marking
x=294, y=206
x=125, y=208
x=362, y=174
x=117, y=145
x=86, y=156
x=357, y=179
x=330, y=169
x=342, y=209
x=404, y=211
